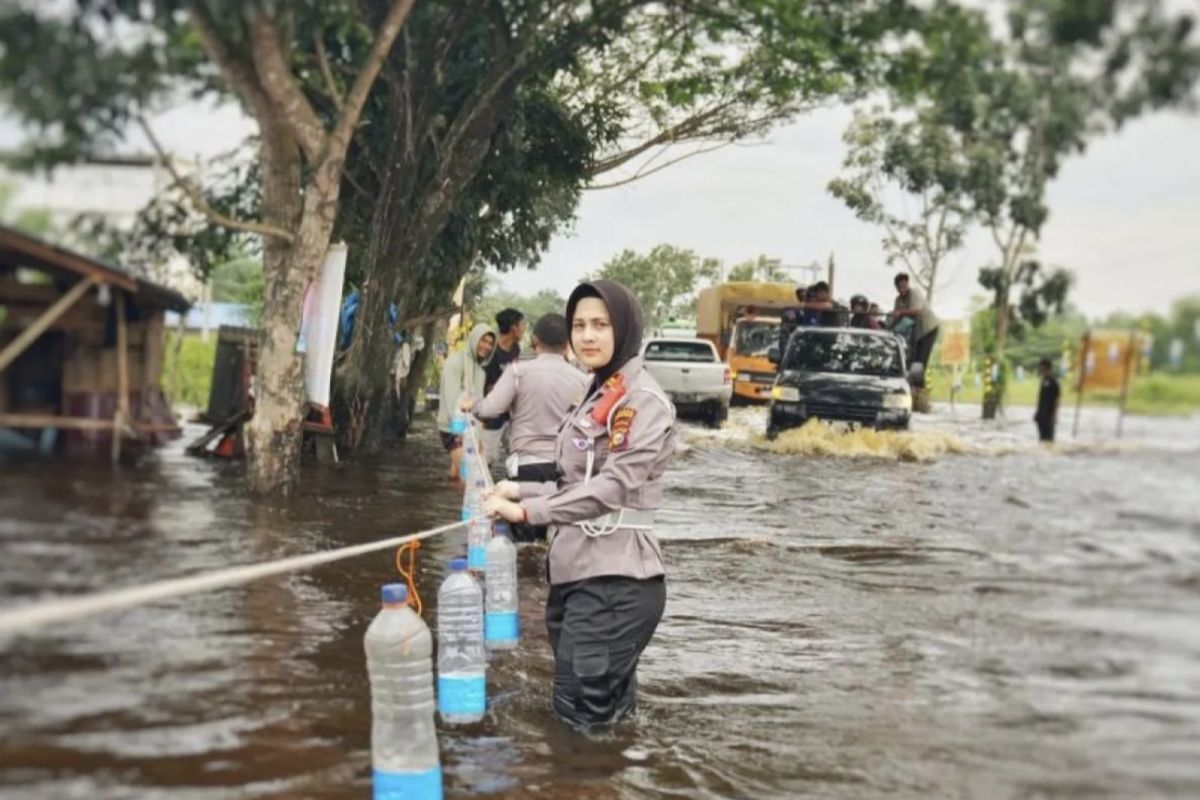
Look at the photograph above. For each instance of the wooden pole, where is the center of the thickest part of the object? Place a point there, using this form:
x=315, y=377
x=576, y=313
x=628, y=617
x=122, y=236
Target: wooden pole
x=29, y=335
x=1125, y=381
x=1083, y=357
x=121, y=414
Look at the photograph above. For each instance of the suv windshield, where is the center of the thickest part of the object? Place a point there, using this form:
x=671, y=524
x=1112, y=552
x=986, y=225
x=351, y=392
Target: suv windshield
x=667, y=350
x=846, y=352
x=755, y=338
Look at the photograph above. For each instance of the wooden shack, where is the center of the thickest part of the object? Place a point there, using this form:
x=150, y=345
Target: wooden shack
x=81, y=350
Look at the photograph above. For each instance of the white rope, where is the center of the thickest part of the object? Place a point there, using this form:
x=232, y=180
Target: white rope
x=482, y=462
x=36, y=615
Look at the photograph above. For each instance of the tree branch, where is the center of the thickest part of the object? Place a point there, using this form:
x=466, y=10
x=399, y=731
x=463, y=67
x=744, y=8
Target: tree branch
x=200, y=203
x=330, y=84
x=643, y=173
x=275, y=75
x=239, y=72
x=385, y=36
x=674, y=134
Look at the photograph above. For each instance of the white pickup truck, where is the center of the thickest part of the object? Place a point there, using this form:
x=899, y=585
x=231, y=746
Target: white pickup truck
x=690, y=371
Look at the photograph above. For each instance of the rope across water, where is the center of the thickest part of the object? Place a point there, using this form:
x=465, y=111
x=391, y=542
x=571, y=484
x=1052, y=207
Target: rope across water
x=30, y=618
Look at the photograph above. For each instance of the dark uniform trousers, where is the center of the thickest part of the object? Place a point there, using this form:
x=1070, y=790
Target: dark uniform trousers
x=598, y=629
x=1045, y=428
x=923, y=350
x=533, y=473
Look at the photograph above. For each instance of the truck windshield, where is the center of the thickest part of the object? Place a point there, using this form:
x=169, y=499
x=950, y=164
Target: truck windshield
x=841, y=351
x=755, y=338
x=664, y=350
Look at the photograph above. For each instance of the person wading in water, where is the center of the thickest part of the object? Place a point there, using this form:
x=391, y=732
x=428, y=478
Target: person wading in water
x=606, y=571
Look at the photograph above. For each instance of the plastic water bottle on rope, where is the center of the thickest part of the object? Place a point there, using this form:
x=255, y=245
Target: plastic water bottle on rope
x=479, y=534
x=470, y=469
x=404, y=749
x=473, y=499
x=501, y=623
x=462, y=660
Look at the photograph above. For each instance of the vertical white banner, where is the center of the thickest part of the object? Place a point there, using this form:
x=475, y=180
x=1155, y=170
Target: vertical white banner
x=321, y=334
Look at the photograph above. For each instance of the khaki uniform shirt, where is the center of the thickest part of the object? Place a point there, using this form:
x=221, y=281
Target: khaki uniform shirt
x=538, y=394
x=627, y=470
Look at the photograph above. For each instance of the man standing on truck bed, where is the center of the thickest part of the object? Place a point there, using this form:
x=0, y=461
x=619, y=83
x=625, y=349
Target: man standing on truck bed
x=790, y=319
x=538, y=394
x=911, y=303
x=821, y=309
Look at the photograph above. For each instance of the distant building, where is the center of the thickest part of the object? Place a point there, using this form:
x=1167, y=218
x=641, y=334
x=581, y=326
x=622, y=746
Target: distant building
x=115, y=189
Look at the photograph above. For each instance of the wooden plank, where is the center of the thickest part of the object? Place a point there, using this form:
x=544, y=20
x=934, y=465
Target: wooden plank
x=80, y=423
x=121, y=415
x=30, y=334
x=80, y=317
x=16, y=292
x=54, y=421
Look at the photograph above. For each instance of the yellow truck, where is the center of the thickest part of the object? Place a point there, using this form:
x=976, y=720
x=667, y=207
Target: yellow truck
x=742, y=319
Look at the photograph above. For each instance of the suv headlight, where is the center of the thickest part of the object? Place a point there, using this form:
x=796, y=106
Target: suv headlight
x=788, y=394
x=899, y=400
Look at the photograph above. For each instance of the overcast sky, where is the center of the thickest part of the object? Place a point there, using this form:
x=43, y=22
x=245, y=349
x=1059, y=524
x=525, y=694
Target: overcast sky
x=1125, y=216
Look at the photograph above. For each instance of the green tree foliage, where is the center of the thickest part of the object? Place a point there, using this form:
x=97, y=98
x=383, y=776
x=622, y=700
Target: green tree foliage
x=665, y=280
x=759, y=269
x=534, y=306
x=1022, y=102
x=906, y=176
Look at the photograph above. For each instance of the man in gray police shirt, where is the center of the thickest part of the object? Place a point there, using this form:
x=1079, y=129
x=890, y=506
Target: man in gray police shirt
x=538, y=394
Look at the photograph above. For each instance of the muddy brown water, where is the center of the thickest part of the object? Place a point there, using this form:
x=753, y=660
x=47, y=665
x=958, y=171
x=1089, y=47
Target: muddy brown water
x=986, y=620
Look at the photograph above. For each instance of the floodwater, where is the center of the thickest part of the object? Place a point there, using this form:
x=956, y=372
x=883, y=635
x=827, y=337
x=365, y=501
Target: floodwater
x=957, y=613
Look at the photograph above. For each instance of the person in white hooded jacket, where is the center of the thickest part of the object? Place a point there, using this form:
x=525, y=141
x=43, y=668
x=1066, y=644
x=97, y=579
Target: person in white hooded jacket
x=463, y=376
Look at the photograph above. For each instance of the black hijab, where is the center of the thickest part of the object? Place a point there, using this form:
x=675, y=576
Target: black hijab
x=627, y=320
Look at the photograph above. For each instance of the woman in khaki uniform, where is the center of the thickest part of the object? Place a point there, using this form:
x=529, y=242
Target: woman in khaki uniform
x=607, y=587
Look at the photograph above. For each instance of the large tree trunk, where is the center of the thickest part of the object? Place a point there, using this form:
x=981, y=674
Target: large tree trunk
x=274, y=432
x=408, y=219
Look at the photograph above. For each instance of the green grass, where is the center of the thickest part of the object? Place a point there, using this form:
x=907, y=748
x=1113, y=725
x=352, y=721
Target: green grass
x=1157, y=394
x=186, y=382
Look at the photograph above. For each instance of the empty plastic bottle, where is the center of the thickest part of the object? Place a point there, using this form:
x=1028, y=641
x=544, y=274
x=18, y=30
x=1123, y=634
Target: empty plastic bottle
x=404, y=749
x=500, y=622
x=462, y=660
x=479, y=533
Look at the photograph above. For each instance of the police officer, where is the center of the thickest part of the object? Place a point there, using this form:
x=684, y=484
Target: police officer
x=538, y=394
x=607, y=587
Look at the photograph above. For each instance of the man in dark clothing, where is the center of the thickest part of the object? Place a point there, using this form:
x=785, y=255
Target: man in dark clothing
x=820, y=308
x=510, y=323
x=790, y=319
x=860, y=313
x=1046, y=415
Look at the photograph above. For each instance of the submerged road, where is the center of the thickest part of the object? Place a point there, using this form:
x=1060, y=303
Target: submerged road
x=952, y=613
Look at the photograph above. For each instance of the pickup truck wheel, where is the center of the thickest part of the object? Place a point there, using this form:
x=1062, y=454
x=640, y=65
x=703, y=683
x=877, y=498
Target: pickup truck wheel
x=716, y=416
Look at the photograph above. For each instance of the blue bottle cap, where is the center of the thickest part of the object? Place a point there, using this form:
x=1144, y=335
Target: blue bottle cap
x=394, y=593
x=458, y=564
x=500, y=528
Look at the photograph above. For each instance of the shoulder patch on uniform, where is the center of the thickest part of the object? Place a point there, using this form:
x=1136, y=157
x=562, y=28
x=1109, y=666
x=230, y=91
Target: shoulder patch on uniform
x=618, y=438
